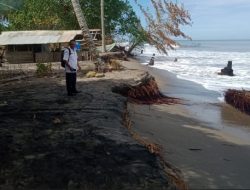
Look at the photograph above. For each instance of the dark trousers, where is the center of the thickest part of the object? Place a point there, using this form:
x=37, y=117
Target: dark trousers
x=71, y=82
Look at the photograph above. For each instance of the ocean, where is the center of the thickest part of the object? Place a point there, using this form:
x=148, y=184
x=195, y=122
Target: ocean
x=201, y=61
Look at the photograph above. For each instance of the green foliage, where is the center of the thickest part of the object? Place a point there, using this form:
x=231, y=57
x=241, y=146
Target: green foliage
x=59, y=14
x=43, y=69
x=120, y=19
x=36, y=15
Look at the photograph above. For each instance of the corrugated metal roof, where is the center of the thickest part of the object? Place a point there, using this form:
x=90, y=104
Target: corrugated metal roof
x=37, y=37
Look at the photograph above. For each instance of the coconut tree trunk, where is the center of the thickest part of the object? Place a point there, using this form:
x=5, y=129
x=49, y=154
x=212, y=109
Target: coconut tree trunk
x=84, y=27
x=103, y=27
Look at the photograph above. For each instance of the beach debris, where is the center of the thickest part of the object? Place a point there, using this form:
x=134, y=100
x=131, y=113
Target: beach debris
x=107, y=63
x=115, y=64
x=144, y=91
x=154, y=148
x=227, y=70
x=240, y=99
x=99, y=75
x=91, y=74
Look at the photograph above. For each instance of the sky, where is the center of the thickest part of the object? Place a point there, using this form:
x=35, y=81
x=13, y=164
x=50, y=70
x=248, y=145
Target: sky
x=214, y=19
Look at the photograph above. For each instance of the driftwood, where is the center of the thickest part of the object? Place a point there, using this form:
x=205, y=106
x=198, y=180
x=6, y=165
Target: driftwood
x=240, y=99
x=145, y=91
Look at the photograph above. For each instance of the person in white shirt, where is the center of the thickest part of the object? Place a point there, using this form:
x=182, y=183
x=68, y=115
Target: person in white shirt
x=71, y=67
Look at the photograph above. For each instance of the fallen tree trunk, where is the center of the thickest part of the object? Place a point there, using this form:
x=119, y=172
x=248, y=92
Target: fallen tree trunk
x=144, y=91
x=239, y=99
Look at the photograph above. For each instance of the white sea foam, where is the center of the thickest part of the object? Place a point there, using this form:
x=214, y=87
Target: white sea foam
x=201, y=64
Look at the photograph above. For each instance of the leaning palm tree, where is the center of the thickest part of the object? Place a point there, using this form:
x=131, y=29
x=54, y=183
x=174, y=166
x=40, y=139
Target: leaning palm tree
x=84, y=27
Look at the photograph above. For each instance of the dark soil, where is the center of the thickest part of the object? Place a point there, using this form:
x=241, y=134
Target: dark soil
x=51, y=141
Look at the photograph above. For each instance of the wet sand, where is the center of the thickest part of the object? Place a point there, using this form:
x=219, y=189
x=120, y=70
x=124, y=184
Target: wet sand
x=209, y=142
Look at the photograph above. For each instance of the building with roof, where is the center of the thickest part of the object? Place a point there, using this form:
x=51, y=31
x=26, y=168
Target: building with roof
x=40, y=45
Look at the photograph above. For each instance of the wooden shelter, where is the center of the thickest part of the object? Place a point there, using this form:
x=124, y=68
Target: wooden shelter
x=42, y=45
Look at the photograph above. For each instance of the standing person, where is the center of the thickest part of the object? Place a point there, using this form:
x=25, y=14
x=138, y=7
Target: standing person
x=152, y=60
x=71, y=67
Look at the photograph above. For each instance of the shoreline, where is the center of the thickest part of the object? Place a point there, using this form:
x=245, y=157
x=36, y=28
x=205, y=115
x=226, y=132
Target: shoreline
x=199, y=102
x=209, y=155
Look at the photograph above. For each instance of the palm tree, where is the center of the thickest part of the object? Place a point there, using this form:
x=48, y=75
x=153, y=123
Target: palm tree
x=84, y=27
x=103, y=27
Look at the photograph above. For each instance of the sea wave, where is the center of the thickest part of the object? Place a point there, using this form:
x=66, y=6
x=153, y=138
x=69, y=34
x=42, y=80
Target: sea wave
x=202, y=66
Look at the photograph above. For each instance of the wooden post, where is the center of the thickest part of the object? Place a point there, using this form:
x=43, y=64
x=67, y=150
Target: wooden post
x=84, y=27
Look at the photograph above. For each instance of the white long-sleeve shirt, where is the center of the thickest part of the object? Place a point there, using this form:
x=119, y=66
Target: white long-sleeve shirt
x=72, y=60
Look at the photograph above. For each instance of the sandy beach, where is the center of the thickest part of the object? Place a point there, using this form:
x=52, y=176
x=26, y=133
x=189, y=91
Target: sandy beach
x=209, y=143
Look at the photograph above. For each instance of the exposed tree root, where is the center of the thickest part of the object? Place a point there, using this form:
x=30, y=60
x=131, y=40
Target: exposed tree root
x=145, y=91
x=240, y=99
